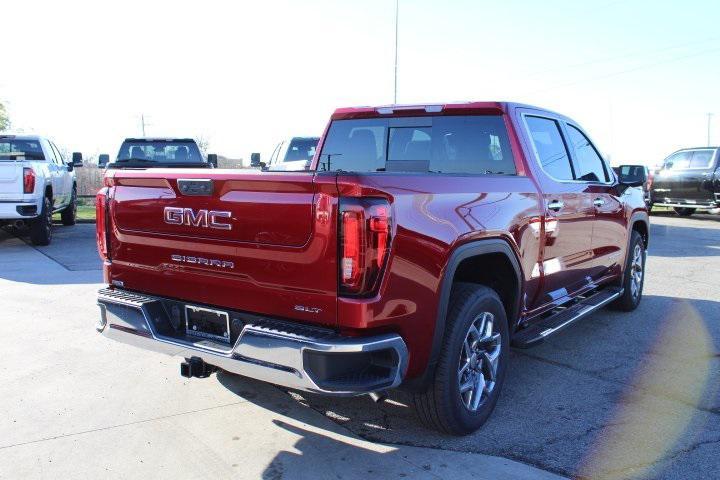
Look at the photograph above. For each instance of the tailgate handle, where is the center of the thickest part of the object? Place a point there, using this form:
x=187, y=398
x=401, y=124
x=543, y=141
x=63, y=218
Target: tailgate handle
x=195, y=187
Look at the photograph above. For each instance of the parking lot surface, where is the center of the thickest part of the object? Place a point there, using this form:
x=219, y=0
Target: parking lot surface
x=618, y=395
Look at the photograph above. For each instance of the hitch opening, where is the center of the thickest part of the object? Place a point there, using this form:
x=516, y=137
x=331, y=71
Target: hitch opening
x=196, y=367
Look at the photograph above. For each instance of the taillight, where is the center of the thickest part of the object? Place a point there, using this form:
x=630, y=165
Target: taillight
x=365, y=234
x=28, y=180
x=102, y=222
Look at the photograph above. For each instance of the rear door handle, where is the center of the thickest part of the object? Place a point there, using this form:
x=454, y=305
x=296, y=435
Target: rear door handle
x=555, y=205
x=598, y=202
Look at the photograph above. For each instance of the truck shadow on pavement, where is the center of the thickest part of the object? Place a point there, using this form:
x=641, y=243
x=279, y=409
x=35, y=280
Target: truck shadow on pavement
x=618, y=394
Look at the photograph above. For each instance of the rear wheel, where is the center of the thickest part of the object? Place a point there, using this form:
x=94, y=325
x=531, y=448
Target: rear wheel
x=69, y=214
x=634, y=275
x=684, y=211
x=471, y=369
x=41, y=227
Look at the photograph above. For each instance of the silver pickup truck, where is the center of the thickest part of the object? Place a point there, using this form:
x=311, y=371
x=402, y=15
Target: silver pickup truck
x=35, y=182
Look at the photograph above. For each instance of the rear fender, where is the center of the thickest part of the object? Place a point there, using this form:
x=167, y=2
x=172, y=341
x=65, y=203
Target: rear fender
x=463, y=252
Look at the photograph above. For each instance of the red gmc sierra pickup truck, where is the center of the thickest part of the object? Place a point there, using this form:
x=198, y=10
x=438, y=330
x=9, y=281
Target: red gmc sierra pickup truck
x=422, y=243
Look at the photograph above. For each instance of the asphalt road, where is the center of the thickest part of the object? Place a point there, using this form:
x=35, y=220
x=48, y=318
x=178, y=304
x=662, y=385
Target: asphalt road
x=616, y=396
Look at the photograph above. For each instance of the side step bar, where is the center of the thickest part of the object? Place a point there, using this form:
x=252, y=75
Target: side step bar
x=563, y=317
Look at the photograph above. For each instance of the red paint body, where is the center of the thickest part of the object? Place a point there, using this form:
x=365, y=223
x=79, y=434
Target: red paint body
x=284, y=237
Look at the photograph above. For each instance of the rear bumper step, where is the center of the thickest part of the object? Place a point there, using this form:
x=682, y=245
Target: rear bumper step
x=278, y=352
x=564, y=317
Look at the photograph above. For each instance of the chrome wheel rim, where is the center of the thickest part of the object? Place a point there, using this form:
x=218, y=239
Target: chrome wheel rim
x=636, y=271
x=478, y=363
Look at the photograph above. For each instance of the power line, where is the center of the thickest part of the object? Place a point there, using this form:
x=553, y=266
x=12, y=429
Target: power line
x=629, y=70
x=619, y=57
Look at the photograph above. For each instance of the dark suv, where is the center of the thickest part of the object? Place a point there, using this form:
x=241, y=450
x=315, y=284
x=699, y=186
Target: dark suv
x=689, y=180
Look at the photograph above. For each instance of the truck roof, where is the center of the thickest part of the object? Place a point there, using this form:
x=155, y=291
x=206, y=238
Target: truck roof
x=159, y=139
x=21, y=137
x=469, y=107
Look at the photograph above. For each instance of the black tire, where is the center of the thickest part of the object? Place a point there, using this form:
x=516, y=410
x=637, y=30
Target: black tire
x=632, y=294
x=442, y=406
x=684, y=211
x=69, y=213
x=41, y=227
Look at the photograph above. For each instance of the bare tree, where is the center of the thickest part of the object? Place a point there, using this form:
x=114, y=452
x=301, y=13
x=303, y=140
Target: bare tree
x=4, y=118
x=203, y=143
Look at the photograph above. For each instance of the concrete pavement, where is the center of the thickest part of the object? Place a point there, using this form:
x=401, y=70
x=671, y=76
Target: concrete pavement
x=76, y=405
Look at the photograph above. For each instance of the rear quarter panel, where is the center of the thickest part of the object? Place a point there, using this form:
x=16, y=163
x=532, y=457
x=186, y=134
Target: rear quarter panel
x=433, y=215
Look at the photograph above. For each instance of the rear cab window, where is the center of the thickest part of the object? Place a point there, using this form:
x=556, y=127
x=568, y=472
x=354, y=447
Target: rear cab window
x=475, y=144
x=20, y=149
x=159, y=151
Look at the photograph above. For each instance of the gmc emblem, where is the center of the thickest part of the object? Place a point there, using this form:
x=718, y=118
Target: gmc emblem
x=199, y=218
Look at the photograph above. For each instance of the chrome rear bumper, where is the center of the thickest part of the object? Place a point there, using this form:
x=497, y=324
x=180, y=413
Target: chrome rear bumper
x=294, y=356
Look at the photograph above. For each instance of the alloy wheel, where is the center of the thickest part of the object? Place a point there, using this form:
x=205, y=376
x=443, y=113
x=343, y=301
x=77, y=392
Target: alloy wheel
x=478, y=363
x=636, y=271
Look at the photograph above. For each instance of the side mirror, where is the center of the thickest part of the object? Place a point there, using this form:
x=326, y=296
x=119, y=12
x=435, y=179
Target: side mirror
x=255, y=160
x=628, y=181
x=212, y=159
x=103, y=160
x=77, y=159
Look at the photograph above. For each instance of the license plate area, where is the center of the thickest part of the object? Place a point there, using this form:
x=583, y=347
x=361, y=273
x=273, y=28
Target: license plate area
x=207, y=323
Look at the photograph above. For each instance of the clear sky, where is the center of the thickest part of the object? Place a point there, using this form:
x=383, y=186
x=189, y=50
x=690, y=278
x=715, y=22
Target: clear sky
x=639, y=75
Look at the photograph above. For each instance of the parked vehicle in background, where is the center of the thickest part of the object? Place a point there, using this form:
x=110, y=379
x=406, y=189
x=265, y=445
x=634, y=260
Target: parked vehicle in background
x=294, y=154
x=161, y=153
x=36, y=182
x=689, y=180
x=422, y=243
x=638, y=173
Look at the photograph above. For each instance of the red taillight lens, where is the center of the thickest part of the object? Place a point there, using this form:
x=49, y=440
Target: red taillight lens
x=365, y=231
x=351, y=260
x=102, y=222
x=28, y=180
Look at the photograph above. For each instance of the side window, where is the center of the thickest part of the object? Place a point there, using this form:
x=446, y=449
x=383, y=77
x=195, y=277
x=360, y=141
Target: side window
x=678, y=161
x=589, y=165
x=702, y=159
x=51, y=152
x=58, y=157
x=550, y=147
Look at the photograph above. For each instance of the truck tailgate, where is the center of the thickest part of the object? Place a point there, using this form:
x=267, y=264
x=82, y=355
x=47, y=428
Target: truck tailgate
x=11, y=179
x=257, y=242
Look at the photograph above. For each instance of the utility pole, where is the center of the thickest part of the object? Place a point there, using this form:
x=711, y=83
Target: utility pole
x=709, y=115
x=397, y=14
x=143, y=124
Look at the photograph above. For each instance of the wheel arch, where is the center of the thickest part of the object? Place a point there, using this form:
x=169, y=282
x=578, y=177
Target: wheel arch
x=463, y=257
x=639, y=223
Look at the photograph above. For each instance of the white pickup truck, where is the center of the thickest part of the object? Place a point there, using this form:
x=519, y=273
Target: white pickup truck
x=35, y=182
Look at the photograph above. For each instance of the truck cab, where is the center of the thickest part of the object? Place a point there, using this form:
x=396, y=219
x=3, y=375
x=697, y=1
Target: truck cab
x=293, y=154
x=161, y=153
